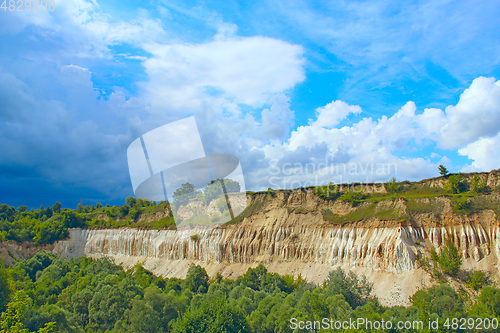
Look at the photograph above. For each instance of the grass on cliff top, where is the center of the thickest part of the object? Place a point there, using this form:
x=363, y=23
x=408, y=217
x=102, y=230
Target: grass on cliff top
x=363, y=212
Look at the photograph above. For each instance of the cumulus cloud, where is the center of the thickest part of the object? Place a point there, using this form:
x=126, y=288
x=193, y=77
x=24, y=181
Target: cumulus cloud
x=276, y=121
x=332, y=113
x=248, y=70
x=375, y=149
x=484, y=153
x=476, y=115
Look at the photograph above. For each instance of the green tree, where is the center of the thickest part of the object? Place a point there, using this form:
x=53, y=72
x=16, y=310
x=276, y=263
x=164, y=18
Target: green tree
x=455, y=185
x=11, y=321
x=392, y=186
x=215, y=189
x=442, y=170
x=130, y=201
x=56, y=207
x=476, y=280
x=356, y=291
x=98, y=205
x=215, y=316
x=79, y=208
x=477, y=185
x=143, y=318
x=22, y=208
x=196, y=278
x=449, y=258
x=184, y=193
x=4, y=286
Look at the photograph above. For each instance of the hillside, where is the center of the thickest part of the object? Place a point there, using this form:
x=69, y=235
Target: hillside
x=376, y=232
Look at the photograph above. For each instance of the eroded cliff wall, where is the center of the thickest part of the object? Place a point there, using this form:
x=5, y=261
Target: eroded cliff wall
x=288, y=234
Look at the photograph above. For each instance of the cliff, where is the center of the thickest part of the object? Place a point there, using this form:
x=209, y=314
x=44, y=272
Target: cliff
x=293, y=232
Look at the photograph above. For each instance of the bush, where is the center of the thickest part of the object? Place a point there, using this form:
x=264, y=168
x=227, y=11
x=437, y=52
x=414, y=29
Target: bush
x=328, y=192
x=455, y=185
x=477, y=185
x=353, y=196
x=476, y=280
x=462, y=205
x=355, y=291
x=448, y=259
x=392, y=186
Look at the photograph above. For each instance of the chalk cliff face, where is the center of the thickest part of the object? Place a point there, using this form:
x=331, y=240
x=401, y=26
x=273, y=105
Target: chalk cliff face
x=288, y=233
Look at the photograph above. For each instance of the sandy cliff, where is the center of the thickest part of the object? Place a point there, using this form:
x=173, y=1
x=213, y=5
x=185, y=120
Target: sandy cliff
x=288, y=233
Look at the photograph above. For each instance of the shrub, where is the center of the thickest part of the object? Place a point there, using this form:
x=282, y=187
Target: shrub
x=462, y=205
x=455, y=185
x=476, y=280
x=355, y=291
x=477, y=185
x=448, y=259
x=353, y=196
x=392, y=186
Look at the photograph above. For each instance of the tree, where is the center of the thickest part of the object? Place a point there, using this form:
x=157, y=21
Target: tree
x=79, y=208
x=392, y=186
x=4, y=287
x=11, y=320
x=449, y=258
x=214, y=189
x=184, y=193
x=130, y=201
x=455, y=184
x=98, y=205
x=22, y=208
x=215, y=316
x=442, y=170
x=477, y=185
x=56, y=207
x=196, y=278
x=355, y=291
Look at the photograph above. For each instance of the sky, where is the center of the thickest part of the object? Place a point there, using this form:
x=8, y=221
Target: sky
x=302, y=92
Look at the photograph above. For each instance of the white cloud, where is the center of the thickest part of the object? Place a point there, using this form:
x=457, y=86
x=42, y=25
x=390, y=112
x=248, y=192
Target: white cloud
x=484, y=152
x=276, y=121
x=248, y=70
x=476, y=115
x=332, y=113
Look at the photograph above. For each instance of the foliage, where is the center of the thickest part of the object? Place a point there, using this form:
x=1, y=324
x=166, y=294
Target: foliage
x=449, y=259
x=442, y=170
x=11, y=320
x=455, y=184
x=4, y=287
x=477, y=185
x=353, y=196
x=184, y=193
x=56, y=208
x=356, y=291
x=392, y=186
x=476, y=280
x=89, y=295
x=328, y=192
x=215, y=189
x=462, y=205
x=130, y=201
x=221, y=204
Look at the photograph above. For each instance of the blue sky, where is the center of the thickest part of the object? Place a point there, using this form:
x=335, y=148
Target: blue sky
x=389, y=86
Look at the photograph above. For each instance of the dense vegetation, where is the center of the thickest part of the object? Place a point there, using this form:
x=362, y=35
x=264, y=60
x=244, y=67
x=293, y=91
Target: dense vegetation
x=46, y=225
x=87, y=295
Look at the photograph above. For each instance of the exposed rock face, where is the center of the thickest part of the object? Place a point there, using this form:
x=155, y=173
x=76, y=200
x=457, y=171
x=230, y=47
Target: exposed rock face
x=289, y=235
